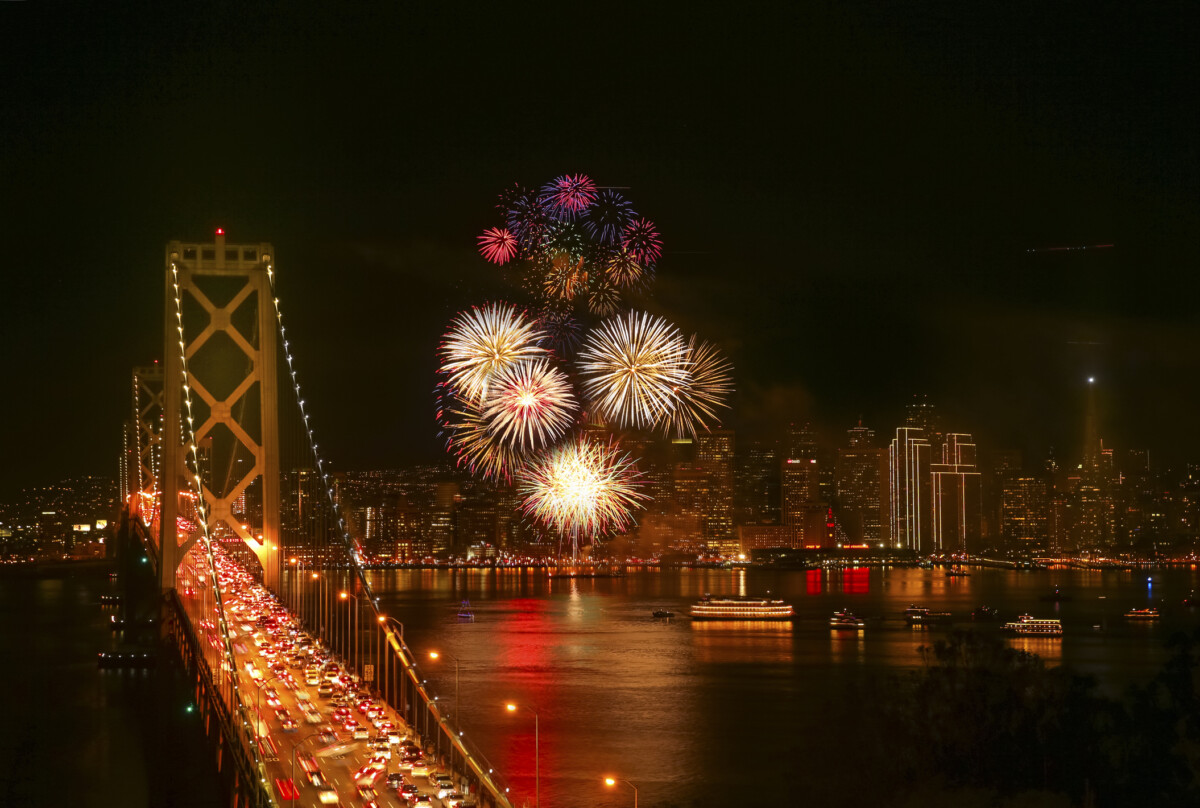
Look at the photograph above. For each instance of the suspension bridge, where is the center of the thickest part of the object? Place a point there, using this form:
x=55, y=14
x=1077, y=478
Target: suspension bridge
x=233, y=538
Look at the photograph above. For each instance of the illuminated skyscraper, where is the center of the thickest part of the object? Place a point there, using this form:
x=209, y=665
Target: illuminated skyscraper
x=908, y=461
x=799, y=479
x=956, y=507
x=714, y=454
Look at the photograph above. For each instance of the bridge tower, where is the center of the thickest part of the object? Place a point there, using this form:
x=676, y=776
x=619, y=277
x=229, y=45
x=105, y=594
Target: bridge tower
x=220, y=390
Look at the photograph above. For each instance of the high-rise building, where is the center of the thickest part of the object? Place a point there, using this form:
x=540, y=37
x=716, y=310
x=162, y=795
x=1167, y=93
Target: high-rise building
x=714, y=454
x=1024, y=513
x=956, y=506
x=998, y=468
x=861, y=484
x=909, y=458
x=921, y=414
x=758, y=485
x=1095, y=512
x=799, y=478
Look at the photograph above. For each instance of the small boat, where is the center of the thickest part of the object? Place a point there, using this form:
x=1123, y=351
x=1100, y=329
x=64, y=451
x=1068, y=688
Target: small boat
x=921, y=616
x=957, y=572
x=846, y=620
x=1057, y=596
x=1142, y=614
x=465, y=614
x=662, y=613
x=1026, y=624
x=1191, y=599
x=985, y=614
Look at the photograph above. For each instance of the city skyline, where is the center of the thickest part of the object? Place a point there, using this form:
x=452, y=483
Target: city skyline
x=360, y=443
x=902, y=239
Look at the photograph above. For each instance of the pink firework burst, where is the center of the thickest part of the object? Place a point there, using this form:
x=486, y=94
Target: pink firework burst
x=642, y=241
x=498, y=245
x=569, y=194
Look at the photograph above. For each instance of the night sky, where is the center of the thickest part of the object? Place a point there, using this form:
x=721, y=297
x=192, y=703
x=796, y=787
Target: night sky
x=847, y=194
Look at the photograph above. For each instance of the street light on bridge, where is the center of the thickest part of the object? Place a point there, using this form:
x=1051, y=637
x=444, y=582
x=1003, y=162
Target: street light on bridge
x=537, y=775
x=357, y=604
x=612, y=781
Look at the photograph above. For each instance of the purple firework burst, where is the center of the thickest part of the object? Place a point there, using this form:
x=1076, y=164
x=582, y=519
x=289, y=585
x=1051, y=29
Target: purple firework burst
x=526, y=215
x=608, y=217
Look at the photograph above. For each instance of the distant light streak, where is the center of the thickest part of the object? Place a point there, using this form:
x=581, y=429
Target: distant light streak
x=1066, y=249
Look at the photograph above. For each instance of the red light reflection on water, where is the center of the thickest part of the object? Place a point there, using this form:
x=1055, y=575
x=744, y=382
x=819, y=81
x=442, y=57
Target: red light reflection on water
x=856, y=580
x=814, y=581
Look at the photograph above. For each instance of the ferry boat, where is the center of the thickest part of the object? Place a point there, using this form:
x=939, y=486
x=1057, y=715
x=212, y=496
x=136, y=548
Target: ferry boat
x=741, y=609
x=1027, y=624
x=1142, y=614
x=845, y=620
x=921, y=616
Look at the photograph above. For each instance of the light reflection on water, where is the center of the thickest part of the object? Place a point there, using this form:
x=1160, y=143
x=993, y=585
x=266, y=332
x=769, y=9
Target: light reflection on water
x=693, y=712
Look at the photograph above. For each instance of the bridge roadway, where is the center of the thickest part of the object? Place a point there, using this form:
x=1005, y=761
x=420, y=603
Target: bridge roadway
x=338, y=759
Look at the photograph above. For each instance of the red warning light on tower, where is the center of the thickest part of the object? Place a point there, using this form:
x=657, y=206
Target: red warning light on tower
x=220, y=231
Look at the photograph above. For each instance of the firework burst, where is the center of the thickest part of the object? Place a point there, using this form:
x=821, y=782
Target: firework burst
x=472, y=442
x=707, y=386
x=498, y=245
x=623, y=269
x=483, y=341
x=607, y=219
x=568, y=195
x=531, y=405
x=582, y=490
x=562, y=330
x=642, y=241
x=603, y=298
x=526, y=215
x=630, y=368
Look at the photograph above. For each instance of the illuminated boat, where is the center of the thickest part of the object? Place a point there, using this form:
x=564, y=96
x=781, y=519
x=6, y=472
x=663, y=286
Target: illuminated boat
x=1026, y=624
x=465, y=613
x=845, y=620
x=921, y=616
x=741, y=609
x=662, y=613
x=1142, y=614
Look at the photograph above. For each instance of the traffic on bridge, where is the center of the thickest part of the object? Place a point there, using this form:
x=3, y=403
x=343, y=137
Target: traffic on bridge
x=324, y=736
